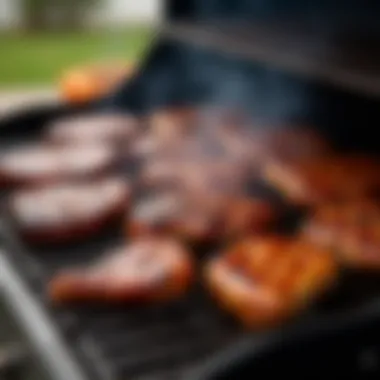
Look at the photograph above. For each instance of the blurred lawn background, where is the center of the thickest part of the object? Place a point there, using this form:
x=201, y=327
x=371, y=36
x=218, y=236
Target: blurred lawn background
x=40, y=58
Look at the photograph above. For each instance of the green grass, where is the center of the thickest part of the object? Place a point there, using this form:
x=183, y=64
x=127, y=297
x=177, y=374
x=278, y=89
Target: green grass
x=41, y=58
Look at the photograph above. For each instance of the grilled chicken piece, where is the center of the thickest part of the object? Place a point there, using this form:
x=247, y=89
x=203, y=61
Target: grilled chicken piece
x=68, y=212
x=351, y=229
x=96, y=128
x=312, y=181
x=147, y=270
x=41, y=164
x=264, y=281
x=198, y=218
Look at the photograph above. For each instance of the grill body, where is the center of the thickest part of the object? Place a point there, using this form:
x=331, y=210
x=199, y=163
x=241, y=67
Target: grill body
x=192, y=339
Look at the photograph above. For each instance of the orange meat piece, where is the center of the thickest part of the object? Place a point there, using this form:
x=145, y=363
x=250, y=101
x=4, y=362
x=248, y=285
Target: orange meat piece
x=264, y=281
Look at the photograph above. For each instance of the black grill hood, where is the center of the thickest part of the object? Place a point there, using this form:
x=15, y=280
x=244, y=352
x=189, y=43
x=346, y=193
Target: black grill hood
x=282, y=61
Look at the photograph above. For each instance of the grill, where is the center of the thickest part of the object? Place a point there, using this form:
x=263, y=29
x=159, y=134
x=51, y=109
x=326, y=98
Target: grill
x=191, y=338
x=116, y=342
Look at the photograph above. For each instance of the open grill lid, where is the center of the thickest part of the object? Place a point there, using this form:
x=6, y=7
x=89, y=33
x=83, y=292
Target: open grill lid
x=329, y=41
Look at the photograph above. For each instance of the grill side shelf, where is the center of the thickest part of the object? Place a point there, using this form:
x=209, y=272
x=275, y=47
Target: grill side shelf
x=37, y=326
x=353, y=67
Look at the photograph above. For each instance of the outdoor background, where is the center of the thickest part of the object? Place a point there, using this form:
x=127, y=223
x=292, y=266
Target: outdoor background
x=42, y=39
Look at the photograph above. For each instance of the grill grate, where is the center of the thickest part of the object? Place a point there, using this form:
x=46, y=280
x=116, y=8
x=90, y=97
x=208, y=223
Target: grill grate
x=148, y=342
x=160, y=341
x=155, y=342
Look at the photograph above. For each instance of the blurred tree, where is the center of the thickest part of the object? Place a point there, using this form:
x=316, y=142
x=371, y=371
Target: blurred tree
x=49, y=15
x=34, y=14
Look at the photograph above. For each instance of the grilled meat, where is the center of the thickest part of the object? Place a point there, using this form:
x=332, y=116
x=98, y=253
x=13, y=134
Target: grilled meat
x=38, y=165
x=195, y=175
x=351, y=229
x=68, y=212
x=323, y=179
x=200, y=218
x=264, y=281
x=147, y=270
x=95, y=128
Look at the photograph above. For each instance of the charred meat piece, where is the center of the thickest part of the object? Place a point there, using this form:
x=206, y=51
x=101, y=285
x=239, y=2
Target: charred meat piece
x=314, y=181
x=102, y=128
x=351, y=229
x=265, y=281
x=147, y=270
x=40, y=164
x=68, y=212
